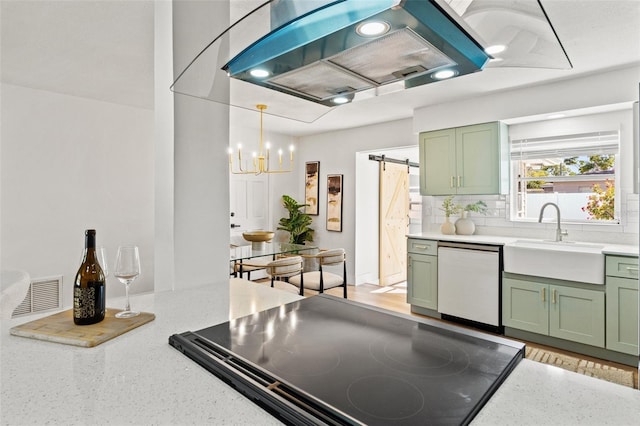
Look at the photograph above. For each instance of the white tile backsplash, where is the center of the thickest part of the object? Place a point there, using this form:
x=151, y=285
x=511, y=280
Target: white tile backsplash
x=497, y=222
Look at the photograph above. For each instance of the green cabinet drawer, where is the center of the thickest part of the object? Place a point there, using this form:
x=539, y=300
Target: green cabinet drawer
x=419, y=246
x=621, y=266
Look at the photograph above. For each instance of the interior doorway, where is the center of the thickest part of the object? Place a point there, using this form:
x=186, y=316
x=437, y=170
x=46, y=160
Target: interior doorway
x=368, y=235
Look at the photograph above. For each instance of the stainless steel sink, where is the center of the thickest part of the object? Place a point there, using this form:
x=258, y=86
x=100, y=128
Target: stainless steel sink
x=564, y=260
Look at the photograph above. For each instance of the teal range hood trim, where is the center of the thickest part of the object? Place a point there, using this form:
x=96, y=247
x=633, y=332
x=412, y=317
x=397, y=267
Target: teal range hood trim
x=288, y=52
x=306, y=29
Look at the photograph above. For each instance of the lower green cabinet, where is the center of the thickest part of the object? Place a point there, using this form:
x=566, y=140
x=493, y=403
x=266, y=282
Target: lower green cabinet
x=622, y=304
x=422, y=280
x=525, y=305
x=577, y=314
x=570, y=313
x=622, y=315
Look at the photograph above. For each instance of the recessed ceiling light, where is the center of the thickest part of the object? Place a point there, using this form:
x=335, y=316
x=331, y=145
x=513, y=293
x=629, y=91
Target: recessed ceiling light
x=496, y=48
x=340, y=100
x=444, y=74
x=372, y=28
x=259, y=73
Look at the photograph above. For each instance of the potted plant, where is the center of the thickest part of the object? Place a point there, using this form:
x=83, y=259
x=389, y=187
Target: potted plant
x=449, y=208
x=464, y=225
x=298, y=223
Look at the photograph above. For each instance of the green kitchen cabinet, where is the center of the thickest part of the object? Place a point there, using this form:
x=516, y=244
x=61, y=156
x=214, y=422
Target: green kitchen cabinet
x=525, y=305
x=622, y=304
x=547, y=307
x=422, y=273
x=465, y=160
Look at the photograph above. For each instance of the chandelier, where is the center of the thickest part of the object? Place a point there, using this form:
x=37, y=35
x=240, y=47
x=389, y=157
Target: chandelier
x=261, y=163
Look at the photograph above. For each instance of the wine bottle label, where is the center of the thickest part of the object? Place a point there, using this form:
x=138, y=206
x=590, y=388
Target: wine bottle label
x=87, y=301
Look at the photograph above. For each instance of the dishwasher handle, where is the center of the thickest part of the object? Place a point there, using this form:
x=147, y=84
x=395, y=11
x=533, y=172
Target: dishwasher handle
x=468, y=246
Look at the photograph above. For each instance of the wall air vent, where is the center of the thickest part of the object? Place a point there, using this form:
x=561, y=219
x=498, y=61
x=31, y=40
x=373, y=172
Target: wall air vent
x=44, y=294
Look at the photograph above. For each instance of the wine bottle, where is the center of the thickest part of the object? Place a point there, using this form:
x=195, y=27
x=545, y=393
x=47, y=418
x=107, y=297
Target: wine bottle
x=89, y=285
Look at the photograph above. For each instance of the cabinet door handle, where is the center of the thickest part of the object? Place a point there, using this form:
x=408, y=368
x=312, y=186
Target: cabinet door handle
x=544, y=294
x=553, y=296
x=451, y=184
x=420, y=246
x=632, y=269
x=459, y=181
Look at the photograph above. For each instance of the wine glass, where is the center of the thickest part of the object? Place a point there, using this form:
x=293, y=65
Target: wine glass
x=127, y=270
x=101, y=255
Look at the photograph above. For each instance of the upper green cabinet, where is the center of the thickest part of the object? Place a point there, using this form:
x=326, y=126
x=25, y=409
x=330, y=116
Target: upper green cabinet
x=465, y=160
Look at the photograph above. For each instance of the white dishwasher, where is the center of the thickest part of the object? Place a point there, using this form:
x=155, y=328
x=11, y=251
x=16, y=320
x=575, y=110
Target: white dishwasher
x=469, y=282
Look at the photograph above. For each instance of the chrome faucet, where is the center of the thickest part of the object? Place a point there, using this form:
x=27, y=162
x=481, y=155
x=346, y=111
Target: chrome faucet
x=559, y=232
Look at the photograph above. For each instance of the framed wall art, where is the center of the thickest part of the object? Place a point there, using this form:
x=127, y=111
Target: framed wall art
x=312, y=187
x=334, y=203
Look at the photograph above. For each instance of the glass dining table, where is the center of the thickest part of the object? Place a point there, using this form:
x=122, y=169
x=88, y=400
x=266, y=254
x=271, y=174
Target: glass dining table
x=267, y=250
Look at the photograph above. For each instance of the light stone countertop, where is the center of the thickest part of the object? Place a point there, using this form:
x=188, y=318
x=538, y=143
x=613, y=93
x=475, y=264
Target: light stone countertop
x=138, y=378
x=609, y=248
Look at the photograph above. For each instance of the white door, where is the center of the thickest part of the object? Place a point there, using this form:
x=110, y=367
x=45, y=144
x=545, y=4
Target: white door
x=248, y=203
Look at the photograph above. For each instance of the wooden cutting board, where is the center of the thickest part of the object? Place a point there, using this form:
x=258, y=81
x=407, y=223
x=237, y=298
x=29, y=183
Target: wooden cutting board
x=60, y=328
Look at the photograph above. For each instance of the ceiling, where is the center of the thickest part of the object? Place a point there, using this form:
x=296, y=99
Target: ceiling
x=104, y=50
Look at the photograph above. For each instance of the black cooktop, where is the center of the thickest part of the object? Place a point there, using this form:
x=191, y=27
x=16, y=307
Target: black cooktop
x=330, y=360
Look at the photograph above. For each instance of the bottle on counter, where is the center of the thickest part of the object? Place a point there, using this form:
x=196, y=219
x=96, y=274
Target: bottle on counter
x=89, y=286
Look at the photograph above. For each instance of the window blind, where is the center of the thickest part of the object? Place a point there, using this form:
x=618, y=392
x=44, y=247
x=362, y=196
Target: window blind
x=584, y=144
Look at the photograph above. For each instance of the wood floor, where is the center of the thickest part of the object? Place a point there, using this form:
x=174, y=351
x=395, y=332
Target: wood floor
x=397, y=302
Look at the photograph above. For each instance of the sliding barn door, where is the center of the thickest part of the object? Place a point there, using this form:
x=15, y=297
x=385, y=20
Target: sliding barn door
x=394, y=222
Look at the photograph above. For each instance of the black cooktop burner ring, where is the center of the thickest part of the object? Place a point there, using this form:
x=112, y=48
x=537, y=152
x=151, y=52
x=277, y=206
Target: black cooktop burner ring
x=316, y=362
x=388, y=398
x=437, y=356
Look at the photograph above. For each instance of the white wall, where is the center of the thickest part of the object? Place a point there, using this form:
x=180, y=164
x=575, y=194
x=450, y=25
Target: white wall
x=367, y=205
x=163, y=141
x=604, y=88
x=201, y=176
x=69, y=164
x=336, y=152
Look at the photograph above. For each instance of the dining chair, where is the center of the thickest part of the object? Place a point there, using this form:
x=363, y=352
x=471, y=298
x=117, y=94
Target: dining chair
x=322, y=279
x=284, y=268
x=242, y=267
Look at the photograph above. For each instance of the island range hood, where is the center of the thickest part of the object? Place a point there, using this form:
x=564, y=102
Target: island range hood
x=326, y=55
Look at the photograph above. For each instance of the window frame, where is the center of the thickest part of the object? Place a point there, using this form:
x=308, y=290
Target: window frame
x=574, y=145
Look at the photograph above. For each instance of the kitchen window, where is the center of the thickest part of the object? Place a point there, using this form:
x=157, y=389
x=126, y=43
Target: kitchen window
x=577, y=172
